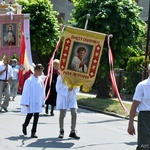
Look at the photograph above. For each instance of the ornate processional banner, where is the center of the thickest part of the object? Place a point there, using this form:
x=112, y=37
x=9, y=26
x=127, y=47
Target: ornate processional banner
x=80, y=57
x=10, y=35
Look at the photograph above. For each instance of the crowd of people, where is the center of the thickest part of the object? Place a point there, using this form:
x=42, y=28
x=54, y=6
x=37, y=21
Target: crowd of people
x=59, y=95
x=63, y=98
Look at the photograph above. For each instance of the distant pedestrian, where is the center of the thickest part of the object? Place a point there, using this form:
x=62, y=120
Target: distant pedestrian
x=32, y=100
x=6, y=75
x=51, y=100
x=141, y=106
x=15, y=80
x=66, y=99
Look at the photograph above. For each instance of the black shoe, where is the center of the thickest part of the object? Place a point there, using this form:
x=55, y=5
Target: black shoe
x=61, y=135
x=34, y=135
x=46, y=109
x=24, y=130
x=52, y=114
x=73, y=135
x=5, y=109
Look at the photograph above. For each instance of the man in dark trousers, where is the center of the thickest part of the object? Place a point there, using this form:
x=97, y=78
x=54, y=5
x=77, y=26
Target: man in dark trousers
x=141, y=105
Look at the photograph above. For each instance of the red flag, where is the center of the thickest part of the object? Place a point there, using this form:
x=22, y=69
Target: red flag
x=21, y=64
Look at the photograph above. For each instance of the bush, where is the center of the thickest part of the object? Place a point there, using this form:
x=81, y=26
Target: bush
x=133, y=74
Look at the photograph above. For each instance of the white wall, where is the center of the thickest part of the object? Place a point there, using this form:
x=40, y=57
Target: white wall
x=145, y=11
x=63, y=6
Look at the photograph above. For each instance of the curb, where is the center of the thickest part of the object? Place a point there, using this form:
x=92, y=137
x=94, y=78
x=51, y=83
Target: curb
x=106, y=113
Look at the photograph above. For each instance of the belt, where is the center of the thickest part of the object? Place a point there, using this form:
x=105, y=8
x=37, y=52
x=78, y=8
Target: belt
x=4, y=80
x=147, y=111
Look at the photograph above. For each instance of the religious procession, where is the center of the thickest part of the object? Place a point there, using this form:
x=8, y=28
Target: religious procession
x=48, y=58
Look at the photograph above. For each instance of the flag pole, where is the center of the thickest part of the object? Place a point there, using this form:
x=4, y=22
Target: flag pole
x=87, y=19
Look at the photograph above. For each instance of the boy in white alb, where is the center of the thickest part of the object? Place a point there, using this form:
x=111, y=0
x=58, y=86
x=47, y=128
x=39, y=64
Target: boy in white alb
x=32, y=99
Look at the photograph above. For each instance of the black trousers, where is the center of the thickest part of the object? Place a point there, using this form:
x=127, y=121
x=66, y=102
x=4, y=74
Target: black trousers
x=144, y=130
x=35, y=121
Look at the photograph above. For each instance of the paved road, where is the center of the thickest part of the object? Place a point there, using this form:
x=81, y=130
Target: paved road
x=97, y=131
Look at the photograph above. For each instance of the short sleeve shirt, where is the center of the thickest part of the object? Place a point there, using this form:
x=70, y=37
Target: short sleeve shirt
x=142, y=94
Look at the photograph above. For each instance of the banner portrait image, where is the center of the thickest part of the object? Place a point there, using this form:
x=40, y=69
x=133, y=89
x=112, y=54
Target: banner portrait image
x=80, y=57
x=9, y=34
x=80, y=54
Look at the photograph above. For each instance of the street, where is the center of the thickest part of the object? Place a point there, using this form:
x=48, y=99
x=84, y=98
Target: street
x=97, y=131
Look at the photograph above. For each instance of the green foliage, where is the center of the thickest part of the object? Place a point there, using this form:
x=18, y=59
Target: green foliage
x=134, y=73
x=44, y=27
x=120, y=18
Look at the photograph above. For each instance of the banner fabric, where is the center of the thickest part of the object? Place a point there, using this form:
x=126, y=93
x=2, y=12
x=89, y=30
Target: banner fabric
x=80, y=57
x=10, y=35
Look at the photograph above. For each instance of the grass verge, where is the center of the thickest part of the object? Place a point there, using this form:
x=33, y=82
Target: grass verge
x=105, y=105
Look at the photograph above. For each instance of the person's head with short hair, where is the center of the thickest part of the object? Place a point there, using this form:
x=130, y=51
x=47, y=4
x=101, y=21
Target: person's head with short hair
x=6, y=60
x=81, y=51
x=56, y=64
x=38, y=69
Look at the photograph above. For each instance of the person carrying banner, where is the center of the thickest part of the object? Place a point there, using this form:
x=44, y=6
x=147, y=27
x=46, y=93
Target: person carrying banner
x=141, y=105
x=66, y=99
x=6, y=75
x=32, y=99
x=78, y=63
x=51, y=100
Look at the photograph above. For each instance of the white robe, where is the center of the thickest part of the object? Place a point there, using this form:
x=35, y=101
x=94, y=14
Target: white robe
x=33, y=95
x=75, y=64
x=65, y=99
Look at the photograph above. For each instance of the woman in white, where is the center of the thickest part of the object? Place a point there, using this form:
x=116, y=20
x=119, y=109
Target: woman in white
x=66, y=99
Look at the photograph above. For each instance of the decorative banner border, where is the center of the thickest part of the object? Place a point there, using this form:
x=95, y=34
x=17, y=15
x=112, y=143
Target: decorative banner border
x=92, y=43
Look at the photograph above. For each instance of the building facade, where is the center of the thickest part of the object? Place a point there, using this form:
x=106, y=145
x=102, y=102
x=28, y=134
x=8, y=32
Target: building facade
x=64, y=8
x=145, y=5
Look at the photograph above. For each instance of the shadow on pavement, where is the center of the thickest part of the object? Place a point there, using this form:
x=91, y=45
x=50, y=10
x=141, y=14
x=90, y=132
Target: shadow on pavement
x=131, y=143
x=112, y=120
x=43, y=143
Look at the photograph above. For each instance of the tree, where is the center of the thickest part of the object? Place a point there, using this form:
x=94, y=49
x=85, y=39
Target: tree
x=44, y=27
x=120, y=18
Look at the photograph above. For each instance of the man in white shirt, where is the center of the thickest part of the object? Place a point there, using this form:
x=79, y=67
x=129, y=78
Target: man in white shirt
x=141, y=105
x=6, y=75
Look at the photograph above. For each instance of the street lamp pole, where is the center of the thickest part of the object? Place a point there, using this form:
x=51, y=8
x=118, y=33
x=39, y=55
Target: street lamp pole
x=147, y=53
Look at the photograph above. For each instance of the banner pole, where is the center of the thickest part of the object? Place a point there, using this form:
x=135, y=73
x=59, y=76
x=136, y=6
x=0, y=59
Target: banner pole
x=87, y=19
